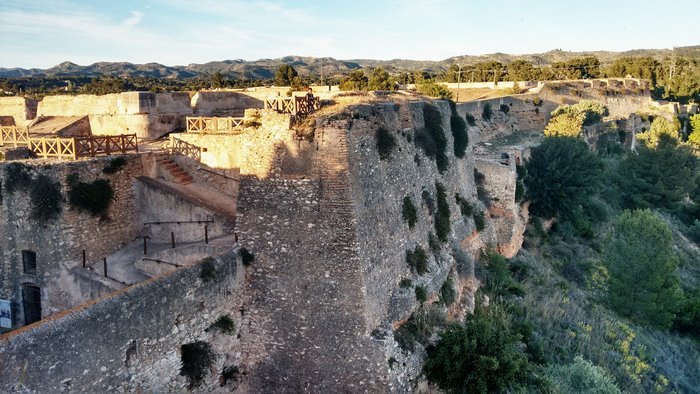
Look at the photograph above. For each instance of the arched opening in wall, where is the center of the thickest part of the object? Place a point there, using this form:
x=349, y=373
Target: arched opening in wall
x=31, y=303
x=29, y=262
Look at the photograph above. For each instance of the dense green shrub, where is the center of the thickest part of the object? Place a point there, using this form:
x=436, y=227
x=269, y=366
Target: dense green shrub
x=431, y=139
x=208, y=270
x=432, y=89
x=519, y=190
x=405, y=283
x=380, y=80
x=565, y=125
x=694, y=231
x=196, y=358
x=590, y=111
x=46, y=198
x=482, y=355
x=487, y=112
x=16, y=177
x=355, y=81
x=656, y=177
x=688, y=318
x=561, y=175
x=581, y=376
x=470, y=119
x=459, y=134
x=496, y=277
x=642, y=265
x=114, y=165
x=421, y=294
x=660, y=129
x=448, y=293
x=230, y=372
x=409, y=213
x=224, y=324
x=247, y=257
x=442, y=217
x=479, y=220
x=504, y=108
x=94, y=197
x=417, y=260
x=386, y=143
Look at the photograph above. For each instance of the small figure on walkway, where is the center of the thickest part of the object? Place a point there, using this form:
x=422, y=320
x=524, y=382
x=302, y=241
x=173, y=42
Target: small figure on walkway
x=310, y=99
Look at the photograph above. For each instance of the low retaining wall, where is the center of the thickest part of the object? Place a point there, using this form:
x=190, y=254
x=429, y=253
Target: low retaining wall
x=128, y=341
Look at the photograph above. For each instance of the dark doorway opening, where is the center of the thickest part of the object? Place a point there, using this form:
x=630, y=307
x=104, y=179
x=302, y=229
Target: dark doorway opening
x=31, y=303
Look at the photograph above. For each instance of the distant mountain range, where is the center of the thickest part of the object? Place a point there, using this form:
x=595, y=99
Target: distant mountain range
x=265, y=68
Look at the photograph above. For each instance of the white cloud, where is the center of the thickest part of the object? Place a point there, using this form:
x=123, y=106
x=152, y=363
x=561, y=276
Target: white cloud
x=134, y=19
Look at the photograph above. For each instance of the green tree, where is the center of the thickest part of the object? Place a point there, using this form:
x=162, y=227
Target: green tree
x=656, y=177
x=380, y=80
x=285, y=74
x=660, y=126
x=592, y=111
x=694, y=137
x=565, y=125
x=643, y=282
x=355, y=81
x=561, y=176
x=522, y=70
x=480, y=356
x=581, y=377
x=432, y=89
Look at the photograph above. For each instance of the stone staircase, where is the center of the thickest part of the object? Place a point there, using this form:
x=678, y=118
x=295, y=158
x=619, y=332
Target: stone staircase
x=176, y=172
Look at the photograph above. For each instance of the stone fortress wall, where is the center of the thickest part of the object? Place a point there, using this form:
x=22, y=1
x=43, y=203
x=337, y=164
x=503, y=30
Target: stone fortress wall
x=128, y=341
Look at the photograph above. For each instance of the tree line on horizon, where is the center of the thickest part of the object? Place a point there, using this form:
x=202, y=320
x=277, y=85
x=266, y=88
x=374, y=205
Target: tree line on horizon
x=672, y=79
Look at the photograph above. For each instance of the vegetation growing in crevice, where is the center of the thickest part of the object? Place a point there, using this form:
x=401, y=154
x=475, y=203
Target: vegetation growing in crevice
x=431, y=139
x=224, y=324
x=405, y=283
x=448, y=294
x=481, y=193
x=16, y=177
x=46, y=198
x=465, y=208
x=442, y=217
x=421, y=294
x=417, y=260
x=487, y=112
x=94, y=197
x=386, y=143
x=247, y=257
x=208, y=271
x=114, y=165
x=230, y=373
x=470, y=119
x=196, y=358
x=479, y=220
x=409, y=213
x=459, y=131
x=504, y=108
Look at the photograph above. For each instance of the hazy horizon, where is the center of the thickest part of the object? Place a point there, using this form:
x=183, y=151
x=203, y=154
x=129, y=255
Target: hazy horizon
x=44, y=33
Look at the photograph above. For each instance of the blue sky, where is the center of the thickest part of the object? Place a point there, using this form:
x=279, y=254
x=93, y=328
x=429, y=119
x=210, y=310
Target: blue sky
x=43, y=33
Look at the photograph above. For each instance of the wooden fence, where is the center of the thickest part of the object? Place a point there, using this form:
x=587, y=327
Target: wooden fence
x=77, y=147
x=14, y=135
x=185, y=148
x=293, y=105
x=214, y=125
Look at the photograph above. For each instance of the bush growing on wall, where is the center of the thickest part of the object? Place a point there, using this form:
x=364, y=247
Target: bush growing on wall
x=432, y=89
x=504, y=108
x=386, y=143
x=94, y=197
x=409, y=212
x=114, y=165
x=442, y=218
x=196, y=358
x=459, y=134
x=417, y=260
x=46, y=198
x=470, y=119
x=432, y=139
x=487, y=112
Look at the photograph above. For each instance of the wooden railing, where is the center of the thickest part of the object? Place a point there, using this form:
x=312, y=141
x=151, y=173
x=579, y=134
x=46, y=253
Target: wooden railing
x=293, y=105
x=90, y=146
x=14, y=135
x=185, y=148
x=214, y=125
